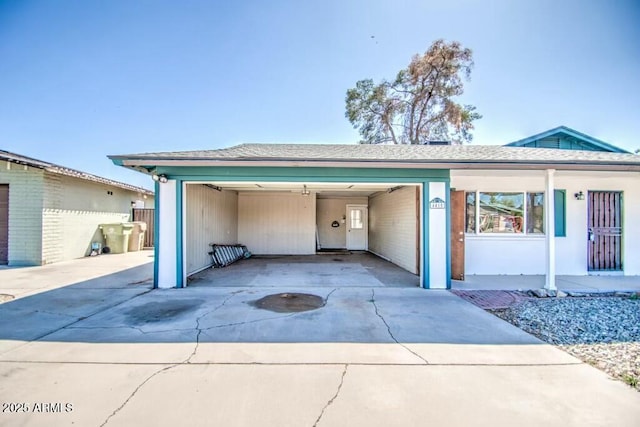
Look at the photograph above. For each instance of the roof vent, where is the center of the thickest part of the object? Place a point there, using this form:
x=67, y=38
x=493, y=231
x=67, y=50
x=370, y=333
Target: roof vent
x=437, y=143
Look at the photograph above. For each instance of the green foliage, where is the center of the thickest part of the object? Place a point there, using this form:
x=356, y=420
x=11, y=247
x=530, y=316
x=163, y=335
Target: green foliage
x=631, y=380
x=418, y=105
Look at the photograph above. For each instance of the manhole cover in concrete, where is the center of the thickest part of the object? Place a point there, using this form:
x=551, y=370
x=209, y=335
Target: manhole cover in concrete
x=290, y=302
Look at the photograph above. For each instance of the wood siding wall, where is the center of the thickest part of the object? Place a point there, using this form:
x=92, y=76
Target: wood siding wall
x=393, y=227
x=277, y=223
x=211, y=217
x=148, y=216
x=333, y=209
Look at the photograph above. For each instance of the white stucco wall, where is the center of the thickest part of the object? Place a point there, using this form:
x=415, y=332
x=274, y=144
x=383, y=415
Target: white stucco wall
x=392, y=227
x=211, y=217
x=277, y=223
x=334, y=209
x=518, y=254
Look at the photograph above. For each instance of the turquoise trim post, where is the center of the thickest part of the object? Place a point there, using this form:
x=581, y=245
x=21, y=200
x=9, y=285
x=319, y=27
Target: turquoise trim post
x=425, y=235
x=560, y=212
x=156, y=232
x=179, y=246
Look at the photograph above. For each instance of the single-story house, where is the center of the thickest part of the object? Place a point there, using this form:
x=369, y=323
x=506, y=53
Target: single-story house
x=438, y=211
x=50, y=213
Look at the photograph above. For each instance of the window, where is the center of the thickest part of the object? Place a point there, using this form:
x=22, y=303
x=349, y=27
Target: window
x=471, y=213
x=505, y=212
x=356, y=219
x=535, y=213
x=501, y=212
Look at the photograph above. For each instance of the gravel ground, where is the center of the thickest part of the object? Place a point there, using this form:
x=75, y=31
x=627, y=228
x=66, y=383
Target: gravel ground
x=601, y=331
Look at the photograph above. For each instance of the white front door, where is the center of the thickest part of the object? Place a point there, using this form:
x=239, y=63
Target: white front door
x=357, y=231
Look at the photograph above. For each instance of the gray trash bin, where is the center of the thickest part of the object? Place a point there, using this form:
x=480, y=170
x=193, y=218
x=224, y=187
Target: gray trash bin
x=116, y=236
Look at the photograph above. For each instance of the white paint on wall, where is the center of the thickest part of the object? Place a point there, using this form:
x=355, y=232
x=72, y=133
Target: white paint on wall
x=211, y=216
x=392, y=227
x=334, y=209
x=277, y=223
x=167, y=238
x=437, y=235
x=520, y=254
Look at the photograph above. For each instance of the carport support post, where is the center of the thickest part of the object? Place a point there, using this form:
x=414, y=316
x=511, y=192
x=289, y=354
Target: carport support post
x=435, y=234
x=167, y=235
x=550, y=231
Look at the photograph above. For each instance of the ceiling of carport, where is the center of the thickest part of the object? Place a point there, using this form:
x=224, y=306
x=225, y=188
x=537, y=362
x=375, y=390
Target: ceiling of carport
x=322, y=190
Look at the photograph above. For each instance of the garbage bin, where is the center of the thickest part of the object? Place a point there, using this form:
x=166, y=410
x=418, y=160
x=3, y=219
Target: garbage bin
x=136, y=239
x=117, y=236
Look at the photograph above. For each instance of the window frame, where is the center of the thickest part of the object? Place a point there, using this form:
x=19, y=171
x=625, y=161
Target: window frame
x=525, y=218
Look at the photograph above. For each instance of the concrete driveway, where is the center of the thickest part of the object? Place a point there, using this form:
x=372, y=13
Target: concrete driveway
x=110, y=351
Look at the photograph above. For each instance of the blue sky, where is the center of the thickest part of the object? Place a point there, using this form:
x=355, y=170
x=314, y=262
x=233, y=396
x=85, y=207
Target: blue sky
x=83, y=79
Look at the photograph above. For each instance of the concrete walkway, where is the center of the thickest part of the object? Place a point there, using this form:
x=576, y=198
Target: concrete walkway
x=591, y=283
x=111, y=351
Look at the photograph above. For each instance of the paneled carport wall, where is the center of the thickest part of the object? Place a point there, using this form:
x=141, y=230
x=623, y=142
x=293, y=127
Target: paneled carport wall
x=393, y=220
x=211, y=217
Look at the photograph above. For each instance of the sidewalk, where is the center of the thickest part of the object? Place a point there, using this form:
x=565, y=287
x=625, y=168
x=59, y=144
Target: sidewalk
x=591, y=283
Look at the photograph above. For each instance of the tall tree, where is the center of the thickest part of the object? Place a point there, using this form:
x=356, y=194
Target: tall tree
x=418, y=106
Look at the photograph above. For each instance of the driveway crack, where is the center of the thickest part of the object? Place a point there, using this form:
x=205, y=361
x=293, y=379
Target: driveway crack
x=326, y=300
x=167, y=368
x=149, y=378
x=375, y=306
x=199, y=329
x=333, y=398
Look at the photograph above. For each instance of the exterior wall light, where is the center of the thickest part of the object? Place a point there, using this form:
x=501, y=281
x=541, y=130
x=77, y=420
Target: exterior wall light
x=305, y=191
x=159, y=178
x=579, y=195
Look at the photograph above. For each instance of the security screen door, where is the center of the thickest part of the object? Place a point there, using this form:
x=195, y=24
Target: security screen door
x=605, y=231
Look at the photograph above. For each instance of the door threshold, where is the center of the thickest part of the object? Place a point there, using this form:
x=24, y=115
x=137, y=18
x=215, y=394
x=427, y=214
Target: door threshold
x=606, y=273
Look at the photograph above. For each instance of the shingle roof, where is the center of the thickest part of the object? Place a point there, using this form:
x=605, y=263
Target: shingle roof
x=61, y=170
x=434, y=154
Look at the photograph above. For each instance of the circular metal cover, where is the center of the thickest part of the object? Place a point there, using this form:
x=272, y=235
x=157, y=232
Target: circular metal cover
x=290, y=302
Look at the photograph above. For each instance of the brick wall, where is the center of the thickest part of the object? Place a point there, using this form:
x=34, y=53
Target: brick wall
x=25, y=212
x=73, y=210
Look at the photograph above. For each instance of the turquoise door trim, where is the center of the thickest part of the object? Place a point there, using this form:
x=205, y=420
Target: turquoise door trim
x=156, y=232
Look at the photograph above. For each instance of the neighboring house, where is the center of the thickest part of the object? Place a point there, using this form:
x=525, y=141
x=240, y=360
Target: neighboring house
x=49, y=213
x=438, y=211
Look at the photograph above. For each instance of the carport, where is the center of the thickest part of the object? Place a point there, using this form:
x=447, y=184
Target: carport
x=296, y=200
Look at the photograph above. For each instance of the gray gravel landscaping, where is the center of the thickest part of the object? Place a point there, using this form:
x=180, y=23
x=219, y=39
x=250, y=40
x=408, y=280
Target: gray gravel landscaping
x=603, y=331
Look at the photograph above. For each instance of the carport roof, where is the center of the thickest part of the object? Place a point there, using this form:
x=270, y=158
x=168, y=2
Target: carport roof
x=445, y=157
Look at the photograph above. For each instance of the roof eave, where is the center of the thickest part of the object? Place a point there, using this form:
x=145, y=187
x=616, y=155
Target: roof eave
x=402, y=164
